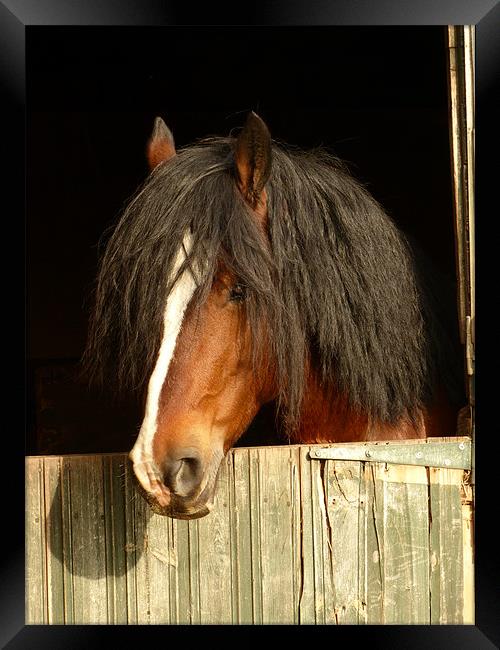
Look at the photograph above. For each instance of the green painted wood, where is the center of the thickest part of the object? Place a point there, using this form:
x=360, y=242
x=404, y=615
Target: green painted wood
x=341, y=481
x=401, y=502
x=371, y=544
x=446, y=538
x=290, y=540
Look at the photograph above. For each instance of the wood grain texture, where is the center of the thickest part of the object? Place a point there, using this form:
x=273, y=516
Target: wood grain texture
x=54, y=539
x=290, y=540
x=446, y=546
x=116, y=561
x=88, y=549
x=214, y=537
x=341, y=482
x=36, y=546
x=401, y=512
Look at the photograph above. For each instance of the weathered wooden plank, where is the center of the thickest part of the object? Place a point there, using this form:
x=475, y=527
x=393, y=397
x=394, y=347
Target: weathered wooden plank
x=458, y=159
x=143, y=559
x=181, y=565
x=116, y=563
x=467, y=493
x=171, y=558
x=372, y=545
x=131, y=551
x=402, y=503
x=162, y=559
x=276, y=541
x=306, y=605
x=296, y=532
x=54, y=540
x=362, y=546
x=242, y=537
x=36, y=582
x=89, y=540
x=469, y=136
x=321, y=552
x=461, y=105
x=215, y=557
x=461, y=70
x=69, y=611
x=255, y=523
x=235, y=577
x=194, y=572
x=446, y=538
x=341, y=481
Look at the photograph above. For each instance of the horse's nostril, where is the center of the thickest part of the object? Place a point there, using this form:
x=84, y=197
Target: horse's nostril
x=183, y=473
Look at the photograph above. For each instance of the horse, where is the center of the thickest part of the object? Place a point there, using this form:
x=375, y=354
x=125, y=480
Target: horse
x=245, y=271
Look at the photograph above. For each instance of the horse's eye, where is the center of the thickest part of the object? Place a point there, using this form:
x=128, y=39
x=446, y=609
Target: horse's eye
x=237, y=293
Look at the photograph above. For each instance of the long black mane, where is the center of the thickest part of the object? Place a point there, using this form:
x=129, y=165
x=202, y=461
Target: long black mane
x=334, y=281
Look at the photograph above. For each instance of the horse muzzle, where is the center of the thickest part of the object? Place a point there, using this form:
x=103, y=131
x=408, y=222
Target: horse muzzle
x=183, y=489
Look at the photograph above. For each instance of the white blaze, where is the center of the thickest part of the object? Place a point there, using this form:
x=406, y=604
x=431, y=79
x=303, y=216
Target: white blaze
x=178, y=300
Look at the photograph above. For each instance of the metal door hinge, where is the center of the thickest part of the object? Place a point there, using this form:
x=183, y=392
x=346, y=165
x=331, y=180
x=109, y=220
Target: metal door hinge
x=453, y=454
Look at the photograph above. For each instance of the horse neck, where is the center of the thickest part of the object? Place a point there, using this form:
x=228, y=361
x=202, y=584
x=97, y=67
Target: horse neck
x=326, y=418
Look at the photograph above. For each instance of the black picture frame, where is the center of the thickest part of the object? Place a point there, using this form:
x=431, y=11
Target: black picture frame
x=485, y=14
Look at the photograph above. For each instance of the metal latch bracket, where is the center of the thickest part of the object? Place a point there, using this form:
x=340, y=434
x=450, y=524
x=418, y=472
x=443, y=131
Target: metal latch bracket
x=450, y=455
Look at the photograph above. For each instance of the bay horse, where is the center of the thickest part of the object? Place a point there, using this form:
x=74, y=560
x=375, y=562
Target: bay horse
x=244, y=271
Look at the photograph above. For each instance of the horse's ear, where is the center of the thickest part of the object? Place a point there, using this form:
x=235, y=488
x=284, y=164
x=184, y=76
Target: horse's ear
x=252, y=156
x=160, y=145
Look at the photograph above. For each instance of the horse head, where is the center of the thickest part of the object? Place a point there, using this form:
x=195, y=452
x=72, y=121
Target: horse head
x=203, y=391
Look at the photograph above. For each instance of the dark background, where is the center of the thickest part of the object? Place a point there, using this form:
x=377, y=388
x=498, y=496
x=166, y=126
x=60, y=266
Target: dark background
x=375, y=96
